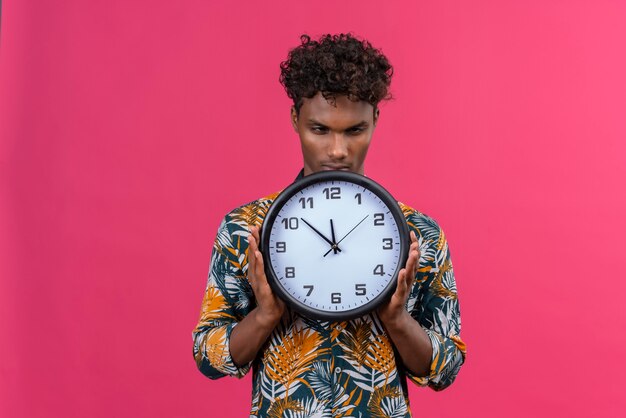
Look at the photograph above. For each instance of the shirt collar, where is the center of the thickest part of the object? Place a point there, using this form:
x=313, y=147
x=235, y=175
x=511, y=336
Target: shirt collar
x=300, y=175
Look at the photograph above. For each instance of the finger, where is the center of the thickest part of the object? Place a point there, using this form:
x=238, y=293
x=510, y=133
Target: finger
x=412, y=261
x=415, y=243
x=410, y=271
x=252, y=249
x=258, y=257
x=401, y=286
x=252, y=242
x=260, y=268
x=411, y=264
x=255, y=233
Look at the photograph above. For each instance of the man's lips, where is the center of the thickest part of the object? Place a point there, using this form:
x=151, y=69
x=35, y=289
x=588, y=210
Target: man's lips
x=335, y=167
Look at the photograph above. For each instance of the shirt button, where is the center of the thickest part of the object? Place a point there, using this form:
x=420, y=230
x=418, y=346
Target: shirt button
x=337, y=370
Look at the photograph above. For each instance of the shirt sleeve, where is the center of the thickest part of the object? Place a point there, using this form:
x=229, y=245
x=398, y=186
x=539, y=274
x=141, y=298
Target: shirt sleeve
x=435, y=306
x=226, y=301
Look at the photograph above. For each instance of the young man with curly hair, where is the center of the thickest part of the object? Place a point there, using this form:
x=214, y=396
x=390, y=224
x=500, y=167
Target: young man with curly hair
x=304, y=367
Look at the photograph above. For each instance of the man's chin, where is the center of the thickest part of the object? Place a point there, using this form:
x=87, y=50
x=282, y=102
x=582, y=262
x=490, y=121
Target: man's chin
x=324, y=168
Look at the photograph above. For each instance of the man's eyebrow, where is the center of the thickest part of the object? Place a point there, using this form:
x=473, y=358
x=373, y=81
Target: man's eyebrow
x=361, y=124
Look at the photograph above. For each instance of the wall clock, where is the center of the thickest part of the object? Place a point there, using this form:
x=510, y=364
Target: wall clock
x=333, y=244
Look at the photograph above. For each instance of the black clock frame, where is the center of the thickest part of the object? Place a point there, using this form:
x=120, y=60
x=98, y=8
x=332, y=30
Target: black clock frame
x=295, y=188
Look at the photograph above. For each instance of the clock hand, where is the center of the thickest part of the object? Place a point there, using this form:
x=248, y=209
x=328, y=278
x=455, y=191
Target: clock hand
x=332, y=244
x=344, y=237
x=332, y=233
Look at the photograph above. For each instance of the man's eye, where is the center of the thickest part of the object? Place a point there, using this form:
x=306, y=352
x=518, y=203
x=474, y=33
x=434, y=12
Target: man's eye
x=354, y=131
x=319, y=130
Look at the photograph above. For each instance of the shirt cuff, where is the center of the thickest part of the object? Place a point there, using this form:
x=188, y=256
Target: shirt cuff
x=216, y=352
x=444, y=365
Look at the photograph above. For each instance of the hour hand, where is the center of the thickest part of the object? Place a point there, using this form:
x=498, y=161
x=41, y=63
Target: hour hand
x=332, y=244
x=332, y=235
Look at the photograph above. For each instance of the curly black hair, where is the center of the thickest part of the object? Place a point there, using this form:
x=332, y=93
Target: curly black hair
x=336, y=65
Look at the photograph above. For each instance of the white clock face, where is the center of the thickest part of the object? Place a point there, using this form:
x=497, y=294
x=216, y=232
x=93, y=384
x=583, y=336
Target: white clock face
x=334, y=247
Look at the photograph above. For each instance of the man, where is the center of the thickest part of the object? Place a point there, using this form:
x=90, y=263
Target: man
x=305, y=367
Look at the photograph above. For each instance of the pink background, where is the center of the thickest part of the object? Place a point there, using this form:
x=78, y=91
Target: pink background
x=129, y=128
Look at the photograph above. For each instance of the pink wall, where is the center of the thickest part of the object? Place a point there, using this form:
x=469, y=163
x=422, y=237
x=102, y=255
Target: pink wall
x=126, y=128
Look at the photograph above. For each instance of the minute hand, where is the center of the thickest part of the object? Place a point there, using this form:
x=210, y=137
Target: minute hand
x=332, y=244
x=344, y=237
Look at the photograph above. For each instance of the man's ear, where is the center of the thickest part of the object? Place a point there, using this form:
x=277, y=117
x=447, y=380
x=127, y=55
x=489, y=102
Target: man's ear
x=294, y=118
x=376, y=114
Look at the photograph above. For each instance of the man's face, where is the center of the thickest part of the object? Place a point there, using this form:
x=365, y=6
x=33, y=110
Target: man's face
x=334, y=136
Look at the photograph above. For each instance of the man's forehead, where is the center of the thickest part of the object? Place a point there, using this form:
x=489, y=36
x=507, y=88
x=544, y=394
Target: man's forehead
x=320, y=109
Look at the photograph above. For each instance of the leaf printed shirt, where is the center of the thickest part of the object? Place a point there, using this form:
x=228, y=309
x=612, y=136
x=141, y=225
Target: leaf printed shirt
x=315, y=368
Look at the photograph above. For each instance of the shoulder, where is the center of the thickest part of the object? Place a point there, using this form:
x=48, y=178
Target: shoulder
x=417, y=219
x=250, y=214
x=234, y=229
x=426, y=228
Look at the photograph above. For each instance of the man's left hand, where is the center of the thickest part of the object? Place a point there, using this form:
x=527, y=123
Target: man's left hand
x=393, y=312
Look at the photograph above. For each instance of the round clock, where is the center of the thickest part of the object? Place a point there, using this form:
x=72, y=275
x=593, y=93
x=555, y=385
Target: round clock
x=333, y=244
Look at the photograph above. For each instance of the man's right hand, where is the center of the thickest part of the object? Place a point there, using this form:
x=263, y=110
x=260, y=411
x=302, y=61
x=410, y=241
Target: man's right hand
x=270, y=307
x=252, y=331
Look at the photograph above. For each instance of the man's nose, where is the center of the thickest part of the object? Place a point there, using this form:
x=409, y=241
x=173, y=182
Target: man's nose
x=338, y=147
